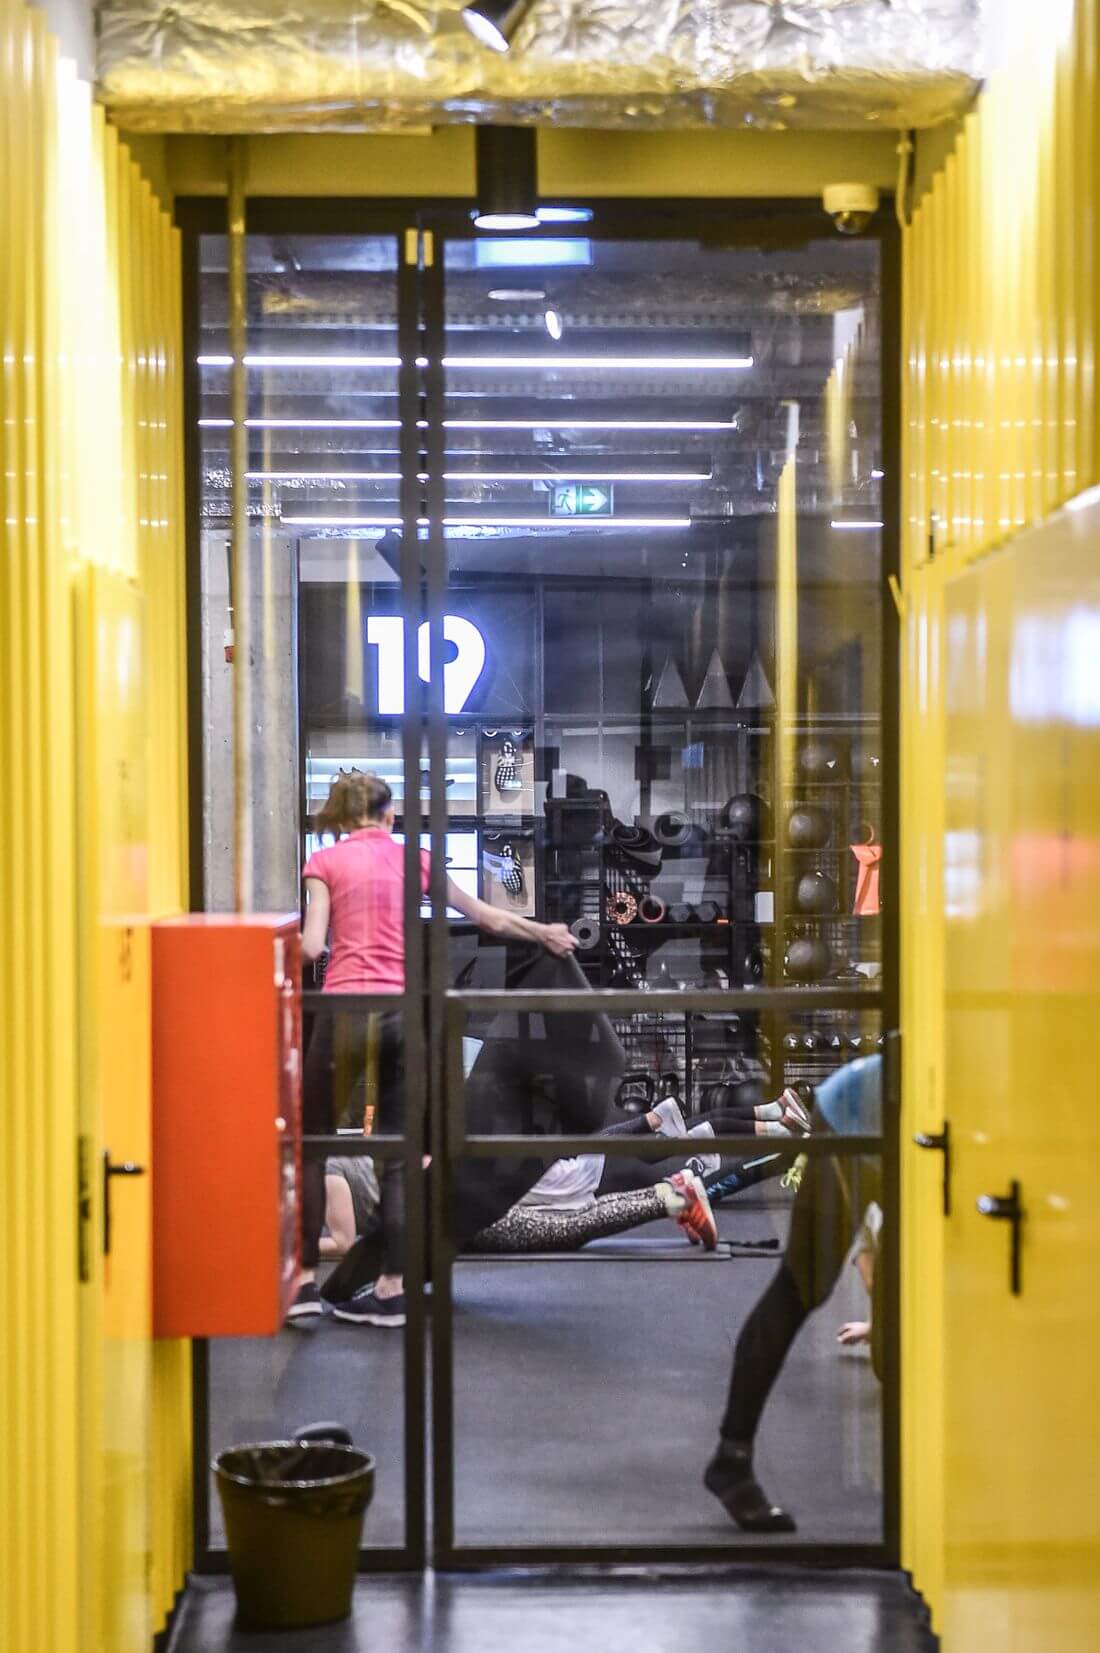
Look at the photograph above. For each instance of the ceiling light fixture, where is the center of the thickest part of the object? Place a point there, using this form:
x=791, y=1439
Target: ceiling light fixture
x=564, y=215
x=484, y=476
x=554, y=524
x=563, y=422
x=303, y=361
x=553, y=324
x=507, y=179
x=577, y=476
x=517, y=295
x=494, y=22
x=617, y=364
x=867, y=527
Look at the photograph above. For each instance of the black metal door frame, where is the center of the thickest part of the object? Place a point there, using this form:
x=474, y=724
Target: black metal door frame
x=433, y=1039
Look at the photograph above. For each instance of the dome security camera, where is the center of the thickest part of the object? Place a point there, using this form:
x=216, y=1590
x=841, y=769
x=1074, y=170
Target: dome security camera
x=850, y=206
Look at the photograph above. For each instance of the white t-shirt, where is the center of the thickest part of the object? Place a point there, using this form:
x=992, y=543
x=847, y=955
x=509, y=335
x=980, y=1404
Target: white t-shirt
x=567, y=1184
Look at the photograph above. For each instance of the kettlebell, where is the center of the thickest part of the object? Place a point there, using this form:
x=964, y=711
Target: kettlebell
x=807, y=959
x=635, y=1094
x=820, y=760
x=807, y=827
x=816, y=893
x=756, y=966
x=748, y=818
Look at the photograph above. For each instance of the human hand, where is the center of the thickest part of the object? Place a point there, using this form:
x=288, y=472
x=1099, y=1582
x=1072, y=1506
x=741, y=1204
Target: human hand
x=559, y=940
x=854, y=1331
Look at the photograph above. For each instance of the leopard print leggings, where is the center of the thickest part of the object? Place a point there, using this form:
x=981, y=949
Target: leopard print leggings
x=539, y=1228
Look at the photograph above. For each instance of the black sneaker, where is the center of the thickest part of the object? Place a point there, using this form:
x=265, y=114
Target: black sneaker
x=730, y=1477
x=365, y=1309
x=307, y=1304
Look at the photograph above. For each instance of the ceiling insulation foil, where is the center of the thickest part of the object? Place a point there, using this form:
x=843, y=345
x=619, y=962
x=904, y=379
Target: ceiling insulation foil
x=388, y=65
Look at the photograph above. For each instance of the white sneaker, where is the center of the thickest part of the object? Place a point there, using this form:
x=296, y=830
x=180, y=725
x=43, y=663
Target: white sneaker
x=704, y=1165
x=672, y=1120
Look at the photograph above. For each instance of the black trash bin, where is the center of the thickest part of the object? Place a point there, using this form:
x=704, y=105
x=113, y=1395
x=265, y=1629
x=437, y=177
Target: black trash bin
x=293, y=1519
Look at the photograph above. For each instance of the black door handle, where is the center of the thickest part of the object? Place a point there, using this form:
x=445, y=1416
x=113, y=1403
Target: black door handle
x=114, y=1168
x=1007, y=1208
x=941, y=1142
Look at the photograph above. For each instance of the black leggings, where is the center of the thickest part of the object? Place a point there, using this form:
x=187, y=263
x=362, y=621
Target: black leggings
x=620, y=1174
x=349, y=1057
x=829, y=1206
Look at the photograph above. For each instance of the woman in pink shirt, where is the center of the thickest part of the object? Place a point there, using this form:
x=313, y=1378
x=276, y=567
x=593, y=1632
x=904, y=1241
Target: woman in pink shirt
x=355, y=891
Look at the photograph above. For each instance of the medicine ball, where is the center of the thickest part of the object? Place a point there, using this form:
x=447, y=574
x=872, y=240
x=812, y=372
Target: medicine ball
x=736, y=1093
x=748, y=818
x=791, y=1042
x=807, y=959
x=820, y=760
x=816, y=893
x=807, y=827
x=866, y=766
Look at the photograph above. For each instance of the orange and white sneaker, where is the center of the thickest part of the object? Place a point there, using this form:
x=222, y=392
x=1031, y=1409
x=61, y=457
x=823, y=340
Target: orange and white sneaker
x=696, y=1218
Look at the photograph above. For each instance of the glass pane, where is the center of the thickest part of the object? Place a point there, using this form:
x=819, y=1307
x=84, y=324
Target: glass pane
x=323, y=488
x=619, y=1365
x=673, y=450
x=328, y=1368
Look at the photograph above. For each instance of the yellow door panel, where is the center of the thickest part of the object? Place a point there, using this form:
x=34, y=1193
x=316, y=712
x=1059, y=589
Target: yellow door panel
x=1022, y=978
x=115, y=1078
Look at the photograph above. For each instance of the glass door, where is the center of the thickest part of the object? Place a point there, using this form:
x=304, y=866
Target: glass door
x=656, y=467
x=577, y=542
x=333, y=485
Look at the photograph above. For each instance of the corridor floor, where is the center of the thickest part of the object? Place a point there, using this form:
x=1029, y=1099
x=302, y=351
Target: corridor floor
x=783, y=1611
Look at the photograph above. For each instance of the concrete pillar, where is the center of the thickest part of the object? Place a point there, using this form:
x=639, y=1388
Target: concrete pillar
x=276, y=765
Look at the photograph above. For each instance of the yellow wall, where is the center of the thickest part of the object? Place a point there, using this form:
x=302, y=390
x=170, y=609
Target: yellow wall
x=90, y=444
x=1000, y=318
x=718, y=165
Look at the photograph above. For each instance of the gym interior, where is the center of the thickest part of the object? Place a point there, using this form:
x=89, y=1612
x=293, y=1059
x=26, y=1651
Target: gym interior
x=677, y=575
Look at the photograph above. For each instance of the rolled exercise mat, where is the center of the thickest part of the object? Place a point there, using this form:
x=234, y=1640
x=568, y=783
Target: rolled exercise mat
x=674, y=828
x=587, y=933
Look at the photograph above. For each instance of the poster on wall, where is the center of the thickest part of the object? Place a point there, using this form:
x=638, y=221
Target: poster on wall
x=507, y=773
x=508, y=872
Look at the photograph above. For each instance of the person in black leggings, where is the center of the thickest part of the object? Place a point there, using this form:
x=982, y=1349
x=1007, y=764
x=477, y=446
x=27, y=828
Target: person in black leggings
x=347, y=1056
x=834, y=1193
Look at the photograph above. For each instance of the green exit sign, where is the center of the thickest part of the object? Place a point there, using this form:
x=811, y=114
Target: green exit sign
x=582, y=499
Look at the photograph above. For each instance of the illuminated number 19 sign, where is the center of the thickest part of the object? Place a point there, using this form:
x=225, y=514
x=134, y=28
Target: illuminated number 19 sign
x=387, y=634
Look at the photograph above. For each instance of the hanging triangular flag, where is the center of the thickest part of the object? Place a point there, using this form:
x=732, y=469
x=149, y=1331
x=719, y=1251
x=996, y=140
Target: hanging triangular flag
x=715, y=690
x=670, y=694
x=756, y=690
